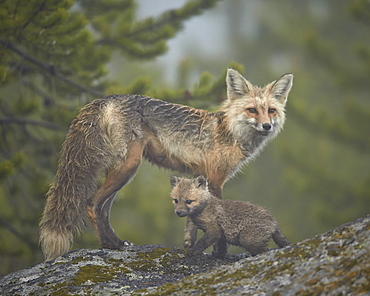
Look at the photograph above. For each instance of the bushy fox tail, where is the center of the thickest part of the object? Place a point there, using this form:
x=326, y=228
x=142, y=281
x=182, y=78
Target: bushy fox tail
x=280, y=239
x=84, y=157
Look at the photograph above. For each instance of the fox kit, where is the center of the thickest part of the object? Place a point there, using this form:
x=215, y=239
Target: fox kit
x=238, y=222
x=111, y=136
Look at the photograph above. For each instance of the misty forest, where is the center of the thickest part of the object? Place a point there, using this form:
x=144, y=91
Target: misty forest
x=55, y=56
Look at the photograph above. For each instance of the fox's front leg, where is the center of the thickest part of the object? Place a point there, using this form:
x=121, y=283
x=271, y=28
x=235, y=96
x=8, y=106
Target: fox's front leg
x=216, y=181
x=190, y=234
x=220, y=248
x=210, y=237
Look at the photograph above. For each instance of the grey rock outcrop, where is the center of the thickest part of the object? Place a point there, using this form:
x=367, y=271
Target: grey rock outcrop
x=108, y=272
x=334, y=263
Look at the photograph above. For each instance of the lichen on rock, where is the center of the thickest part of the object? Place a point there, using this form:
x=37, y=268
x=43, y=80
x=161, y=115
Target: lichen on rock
x=108, y=272
x=334, y=263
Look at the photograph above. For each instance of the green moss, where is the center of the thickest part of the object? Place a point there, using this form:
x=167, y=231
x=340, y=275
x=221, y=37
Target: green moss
x=157, y=258
x=304, y=251
x=333, y=250
x=117, y=264
x=76, y=260
x=169, y=289
x=156, y=253
x=93, y=273
x=60, y=290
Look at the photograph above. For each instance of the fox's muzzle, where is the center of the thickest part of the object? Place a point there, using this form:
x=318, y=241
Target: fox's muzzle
x=266, y=126
x=180, y=213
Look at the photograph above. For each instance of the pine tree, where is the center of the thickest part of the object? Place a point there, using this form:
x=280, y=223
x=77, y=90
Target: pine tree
x=338, y=183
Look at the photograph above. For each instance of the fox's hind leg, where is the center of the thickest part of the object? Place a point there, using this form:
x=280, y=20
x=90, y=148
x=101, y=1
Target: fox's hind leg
x=103, y=228
x=99, y=206
x=255, y=242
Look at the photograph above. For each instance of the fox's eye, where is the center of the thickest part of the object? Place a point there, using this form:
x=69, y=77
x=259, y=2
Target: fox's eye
x=272, y=110
x=176, y=201
x=252, y=110
x=188, y=201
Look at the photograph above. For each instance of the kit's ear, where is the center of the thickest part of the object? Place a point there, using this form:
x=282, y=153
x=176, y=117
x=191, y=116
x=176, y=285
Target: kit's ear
x=201, y=181
x=174, y=180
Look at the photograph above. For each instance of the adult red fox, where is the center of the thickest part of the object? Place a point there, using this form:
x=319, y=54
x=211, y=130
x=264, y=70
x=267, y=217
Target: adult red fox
x=111, y=136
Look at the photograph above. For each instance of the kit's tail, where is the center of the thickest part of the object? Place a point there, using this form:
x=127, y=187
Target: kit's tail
x=280, y=239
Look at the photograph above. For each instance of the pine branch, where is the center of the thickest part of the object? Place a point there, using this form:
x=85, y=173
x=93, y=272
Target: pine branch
x=48, y=100
x=147, y=38
x=173, y=17
x=51, y=69
x=22, y=121
x=34, y=14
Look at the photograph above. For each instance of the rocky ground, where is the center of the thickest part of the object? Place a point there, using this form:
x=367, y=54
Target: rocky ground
x=334, y=263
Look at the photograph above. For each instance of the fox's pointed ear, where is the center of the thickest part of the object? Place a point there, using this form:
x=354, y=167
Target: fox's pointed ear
x=281, y=87
x=201, y=181
x=174, y=180
x=237, y=85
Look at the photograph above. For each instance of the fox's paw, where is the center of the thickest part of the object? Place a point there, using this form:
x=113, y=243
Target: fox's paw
x=123, y=245
x=219, y=255
x=193, y=252
x=126, y=243
x=220, y=249
x=117, y=245
x=187, y=244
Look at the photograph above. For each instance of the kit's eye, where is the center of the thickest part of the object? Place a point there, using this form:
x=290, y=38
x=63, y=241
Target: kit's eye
x=272, y=110
x=188, y=201
x=176, y=201
x=252, y=110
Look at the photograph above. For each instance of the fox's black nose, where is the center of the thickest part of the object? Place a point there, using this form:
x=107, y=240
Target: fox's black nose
x=178, y=213
x=266, y=126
